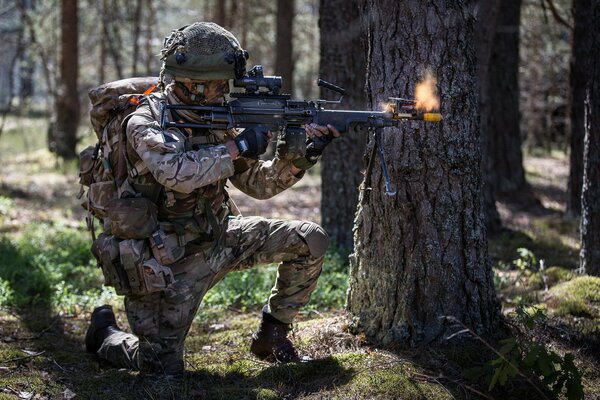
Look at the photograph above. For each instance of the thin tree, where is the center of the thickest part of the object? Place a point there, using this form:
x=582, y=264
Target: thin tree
x=504, y=136
x=136, y=23
x=590, y=205
x=421, y=255
x=284, y=48
x=220, y=11
x=580, y=74
x=486, y=13
x=67, y=106
x=342, y=63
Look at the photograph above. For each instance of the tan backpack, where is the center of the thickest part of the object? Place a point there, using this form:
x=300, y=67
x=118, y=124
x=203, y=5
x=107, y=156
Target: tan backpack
x=103, y=167
x=129, y=219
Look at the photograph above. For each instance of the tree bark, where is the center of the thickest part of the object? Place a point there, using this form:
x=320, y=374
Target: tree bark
x=504, y=138
x=220, y=10
x=486, y=13
x=150, y=56
x=421, y=256
x=342, y=63
x=284, y=49
x=67, y=107
x=590, y=204
x=137, y=21
x=580, y=75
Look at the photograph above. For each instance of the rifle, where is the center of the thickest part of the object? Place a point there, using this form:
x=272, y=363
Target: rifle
x=262, y=104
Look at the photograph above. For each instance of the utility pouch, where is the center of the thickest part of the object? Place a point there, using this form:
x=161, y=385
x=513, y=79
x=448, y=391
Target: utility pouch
x=106, y=250
x=132, y=218
x=99, y=195
x=291, y=143
x=87, y=162
x=145, y=274
x=166, y=248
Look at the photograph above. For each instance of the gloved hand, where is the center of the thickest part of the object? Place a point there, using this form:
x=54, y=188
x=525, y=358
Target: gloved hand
x=315, y=145
x=252, y=142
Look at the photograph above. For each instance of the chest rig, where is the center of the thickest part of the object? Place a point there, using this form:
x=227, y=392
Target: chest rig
x=200, y=212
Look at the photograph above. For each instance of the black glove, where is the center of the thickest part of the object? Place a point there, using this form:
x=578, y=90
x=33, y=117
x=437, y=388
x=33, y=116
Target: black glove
x=314, y=150
x=252, y=142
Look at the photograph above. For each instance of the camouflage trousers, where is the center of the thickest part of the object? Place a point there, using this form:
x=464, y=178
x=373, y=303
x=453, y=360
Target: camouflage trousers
x=161, y=321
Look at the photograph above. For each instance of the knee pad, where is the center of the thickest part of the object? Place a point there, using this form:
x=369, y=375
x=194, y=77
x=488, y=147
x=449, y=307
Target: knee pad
x=315, y=237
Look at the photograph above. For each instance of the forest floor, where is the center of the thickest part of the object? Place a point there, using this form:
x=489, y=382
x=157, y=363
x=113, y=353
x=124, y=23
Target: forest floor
x=545, y=301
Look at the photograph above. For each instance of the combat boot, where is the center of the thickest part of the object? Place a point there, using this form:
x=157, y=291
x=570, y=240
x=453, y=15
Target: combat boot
x=270, y=341
x=103, y=323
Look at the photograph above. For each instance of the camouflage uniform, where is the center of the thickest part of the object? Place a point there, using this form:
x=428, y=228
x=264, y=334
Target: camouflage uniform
x=191, y=169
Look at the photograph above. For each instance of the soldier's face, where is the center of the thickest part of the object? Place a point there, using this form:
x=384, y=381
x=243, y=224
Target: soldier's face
x=212, y=91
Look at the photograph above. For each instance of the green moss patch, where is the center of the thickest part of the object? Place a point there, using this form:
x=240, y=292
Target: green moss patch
x=552, y=276
x=579, y=297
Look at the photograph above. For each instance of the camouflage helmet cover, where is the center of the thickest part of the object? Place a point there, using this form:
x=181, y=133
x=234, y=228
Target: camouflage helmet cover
x=202, y=51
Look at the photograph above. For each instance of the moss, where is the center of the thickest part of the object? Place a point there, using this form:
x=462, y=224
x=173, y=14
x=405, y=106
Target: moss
x=395, y=382
x=554, y=275
x=579, y=297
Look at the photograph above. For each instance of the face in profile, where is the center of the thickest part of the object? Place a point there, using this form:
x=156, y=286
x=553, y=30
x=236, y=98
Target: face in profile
x=212, y=92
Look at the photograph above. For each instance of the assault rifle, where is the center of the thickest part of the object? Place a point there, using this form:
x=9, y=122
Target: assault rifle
x=262, y=104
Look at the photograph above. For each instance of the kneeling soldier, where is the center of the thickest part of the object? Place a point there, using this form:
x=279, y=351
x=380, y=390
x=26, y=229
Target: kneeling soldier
x=200, y=235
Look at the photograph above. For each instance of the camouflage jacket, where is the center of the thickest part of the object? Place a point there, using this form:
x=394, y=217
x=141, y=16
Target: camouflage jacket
x=185, y=171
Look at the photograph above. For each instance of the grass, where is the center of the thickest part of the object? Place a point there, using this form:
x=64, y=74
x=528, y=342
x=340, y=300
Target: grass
x=49, y=284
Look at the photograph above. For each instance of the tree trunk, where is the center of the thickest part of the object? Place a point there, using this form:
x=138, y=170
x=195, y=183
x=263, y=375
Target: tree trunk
x=151, y=21
x=67, y=107
x=207, y=9
x=137, y=21
x=245, y=18
x=232, y=15
x=504, y=138
x=342, y=63
x=220, y=9
x=487, y=13
x=421, y=256
x=284, y=49
x=590, y=204
x=580, y=73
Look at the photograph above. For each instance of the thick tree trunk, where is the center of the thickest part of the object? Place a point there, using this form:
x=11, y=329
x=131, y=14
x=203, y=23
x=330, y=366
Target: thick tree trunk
x=590, y=205
x=67, y=107
x=421, y=256
x=486, y=13
x=284, y=49
x=580, y=73
x=504, y=138
x=342, y=63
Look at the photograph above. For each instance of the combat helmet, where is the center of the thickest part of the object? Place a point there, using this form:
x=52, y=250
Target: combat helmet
x=202, y=51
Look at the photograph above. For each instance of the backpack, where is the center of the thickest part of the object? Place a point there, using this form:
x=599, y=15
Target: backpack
x=129, y=219
x=104, y=166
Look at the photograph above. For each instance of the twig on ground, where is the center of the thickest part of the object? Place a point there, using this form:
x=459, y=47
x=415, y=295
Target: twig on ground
x=24, y=357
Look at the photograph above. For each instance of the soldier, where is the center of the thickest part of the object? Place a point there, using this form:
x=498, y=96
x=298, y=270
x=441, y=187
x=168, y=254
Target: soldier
x=183, y=172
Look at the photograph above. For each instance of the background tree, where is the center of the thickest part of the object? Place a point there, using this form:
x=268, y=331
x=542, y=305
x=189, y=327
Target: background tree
x=581, y=63
x=485, y=28
x=12, y=48
x=220, y=13
x=67, y=106
x=545, y=51
x=342, y=63
x=504, y=136
x=422, y=254
x=590, y=221
x=284, y=48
